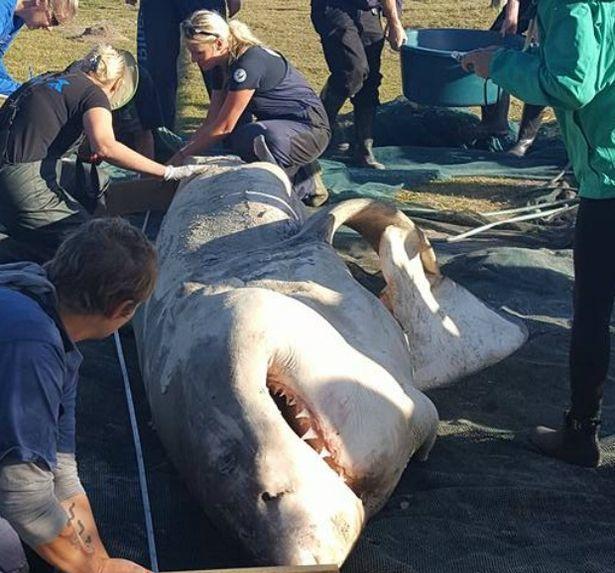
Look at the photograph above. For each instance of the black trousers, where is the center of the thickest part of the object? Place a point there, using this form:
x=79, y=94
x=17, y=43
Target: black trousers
x=352, y=42
x=594, y=291
x=527, y=11
x=497, y=114
x=159, y=42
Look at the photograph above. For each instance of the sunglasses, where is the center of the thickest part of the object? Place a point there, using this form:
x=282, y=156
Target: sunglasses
x=190, y=31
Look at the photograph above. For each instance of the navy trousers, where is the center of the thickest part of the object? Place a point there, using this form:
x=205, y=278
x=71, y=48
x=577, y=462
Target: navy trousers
x=294, y=146
x=159, y=42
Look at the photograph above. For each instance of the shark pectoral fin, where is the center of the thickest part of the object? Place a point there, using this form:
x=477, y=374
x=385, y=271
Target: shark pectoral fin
x=451, y=333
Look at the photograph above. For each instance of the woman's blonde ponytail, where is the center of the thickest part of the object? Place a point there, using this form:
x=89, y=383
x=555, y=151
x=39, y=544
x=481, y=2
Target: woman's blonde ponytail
x=241, y=38
x=105, y=63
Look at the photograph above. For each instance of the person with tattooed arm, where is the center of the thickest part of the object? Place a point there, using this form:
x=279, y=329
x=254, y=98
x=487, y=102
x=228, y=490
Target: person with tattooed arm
x=93, y=285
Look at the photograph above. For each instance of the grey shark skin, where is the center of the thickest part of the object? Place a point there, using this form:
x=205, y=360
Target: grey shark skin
x=286, y=393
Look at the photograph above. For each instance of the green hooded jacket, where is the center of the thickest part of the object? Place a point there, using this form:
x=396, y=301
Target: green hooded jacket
x=573, y=71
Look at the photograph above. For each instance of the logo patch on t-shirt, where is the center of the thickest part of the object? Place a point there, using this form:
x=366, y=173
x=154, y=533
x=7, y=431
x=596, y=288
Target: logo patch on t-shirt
x=240, y=75
x=58, y=84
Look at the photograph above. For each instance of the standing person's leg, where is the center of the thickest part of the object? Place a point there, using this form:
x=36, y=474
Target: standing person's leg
x=531, y=120
x=367, y=100
x=344, y=53
x=141, y=47
x=291, y=145
x=161, y=36
x=494, y=118
x=36, y=215
x=594, y=291
x=12, y=557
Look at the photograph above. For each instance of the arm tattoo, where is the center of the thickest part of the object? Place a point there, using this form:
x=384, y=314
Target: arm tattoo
x=84, y=542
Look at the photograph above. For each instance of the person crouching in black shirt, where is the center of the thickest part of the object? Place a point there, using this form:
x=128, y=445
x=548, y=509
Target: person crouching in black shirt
x=44, y=120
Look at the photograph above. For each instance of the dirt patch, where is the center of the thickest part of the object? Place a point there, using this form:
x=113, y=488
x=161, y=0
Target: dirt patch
x=96, y=33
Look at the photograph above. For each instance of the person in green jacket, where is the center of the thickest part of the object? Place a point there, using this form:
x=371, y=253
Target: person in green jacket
x=573, y=71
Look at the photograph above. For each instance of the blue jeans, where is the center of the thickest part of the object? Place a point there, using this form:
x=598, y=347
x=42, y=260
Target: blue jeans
x=12, y=557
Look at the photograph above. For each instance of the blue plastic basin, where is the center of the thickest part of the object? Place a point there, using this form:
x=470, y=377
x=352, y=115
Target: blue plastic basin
x=431, y=75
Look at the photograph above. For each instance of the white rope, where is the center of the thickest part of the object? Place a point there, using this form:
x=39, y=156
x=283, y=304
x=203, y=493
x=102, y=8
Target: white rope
x=149, y=525
x=483, y=228
x=537, y=207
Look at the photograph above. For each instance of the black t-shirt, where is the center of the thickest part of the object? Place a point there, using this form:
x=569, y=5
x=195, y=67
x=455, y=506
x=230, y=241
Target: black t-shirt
x=257, y=69
x=49, y=117
x=280, y=91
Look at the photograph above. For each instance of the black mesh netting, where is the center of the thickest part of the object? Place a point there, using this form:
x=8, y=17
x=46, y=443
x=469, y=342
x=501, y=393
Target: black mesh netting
x=483, y=501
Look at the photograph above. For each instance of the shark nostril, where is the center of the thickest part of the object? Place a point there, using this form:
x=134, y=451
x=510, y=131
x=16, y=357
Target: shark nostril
x=267, y=497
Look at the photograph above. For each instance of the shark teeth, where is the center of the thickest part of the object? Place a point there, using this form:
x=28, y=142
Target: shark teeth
x=310, y=435
x=303, y=414
x=324, y=453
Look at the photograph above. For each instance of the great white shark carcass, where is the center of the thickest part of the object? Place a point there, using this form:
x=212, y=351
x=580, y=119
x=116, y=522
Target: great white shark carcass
x=288, y=395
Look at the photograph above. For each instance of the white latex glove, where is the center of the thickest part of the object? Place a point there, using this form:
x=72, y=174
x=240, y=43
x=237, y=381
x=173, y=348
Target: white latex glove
x=172, y=173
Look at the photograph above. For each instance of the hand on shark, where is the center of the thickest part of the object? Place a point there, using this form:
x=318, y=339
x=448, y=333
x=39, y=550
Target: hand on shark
x=172, y=173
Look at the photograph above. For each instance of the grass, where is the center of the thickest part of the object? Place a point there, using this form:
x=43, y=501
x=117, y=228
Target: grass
x=284, y=25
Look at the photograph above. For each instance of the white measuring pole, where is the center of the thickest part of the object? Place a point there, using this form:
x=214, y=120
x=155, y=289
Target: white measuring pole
x=149, y=525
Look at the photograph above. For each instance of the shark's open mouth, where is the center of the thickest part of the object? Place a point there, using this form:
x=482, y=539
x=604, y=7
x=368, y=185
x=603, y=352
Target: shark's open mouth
x=303, y=421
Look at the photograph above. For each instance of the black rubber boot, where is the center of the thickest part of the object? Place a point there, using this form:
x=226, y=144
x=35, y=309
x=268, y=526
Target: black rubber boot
x=333, y=102
x=363, y=155
x=531, y=120
x=494, y=118
x=576, y=442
